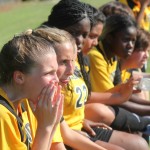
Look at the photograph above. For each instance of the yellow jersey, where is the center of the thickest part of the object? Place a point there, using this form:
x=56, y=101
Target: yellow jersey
x=9, y=131
x=102, y=69
x=75, y=96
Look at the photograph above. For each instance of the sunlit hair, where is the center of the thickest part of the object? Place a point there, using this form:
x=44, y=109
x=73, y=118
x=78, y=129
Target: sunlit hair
x=142, y=40
x=116, y=23
x=67, y=13
x=55, y=36
x=22, y=53
x=97, y=15
x=115, y=7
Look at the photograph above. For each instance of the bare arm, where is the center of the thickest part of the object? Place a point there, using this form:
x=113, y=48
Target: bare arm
x=137, y=105
x=77, y=141
x=140, y=14
x=116, y=95
x=139, y=100
x=57, y=146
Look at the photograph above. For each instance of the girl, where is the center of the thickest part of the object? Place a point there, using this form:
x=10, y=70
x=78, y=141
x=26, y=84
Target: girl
x=26, y=72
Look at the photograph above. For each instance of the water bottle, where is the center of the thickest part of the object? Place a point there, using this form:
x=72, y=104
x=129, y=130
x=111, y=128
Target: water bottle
x=144, y=84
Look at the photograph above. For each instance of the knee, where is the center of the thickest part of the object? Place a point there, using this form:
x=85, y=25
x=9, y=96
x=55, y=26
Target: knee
x=95, y=110
x=99, y=113
x=141, y=143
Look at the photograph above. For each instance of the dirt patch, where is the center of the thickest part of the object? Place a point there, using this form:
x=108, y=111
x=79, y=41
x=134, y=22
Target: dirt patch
x=8, y=6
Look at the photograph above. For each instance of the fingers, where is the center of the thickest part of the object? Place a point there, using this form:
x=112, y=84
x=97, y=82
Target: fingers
x=132, y=82
x=58, y=108
x=104, y=126
x=101, y=125
x=46, y=95
x=90, y=130
x=57, y=94
x=136, y=91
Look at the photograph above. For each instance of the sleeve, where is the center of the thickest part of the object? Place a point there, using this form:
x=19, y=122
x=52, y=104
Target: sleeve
x=9, y=132
x=99, y=75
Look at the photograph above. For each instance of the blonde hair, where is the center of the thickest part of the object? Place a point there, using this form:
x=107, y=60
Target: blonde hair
x=55, y=36
x=22, y=53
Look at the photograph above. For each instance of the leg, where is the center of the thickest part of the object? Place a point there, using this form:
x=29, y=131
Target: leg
x=128, y=141
x=140, y=109
x=116, y=117
x=99, y=113
x=109, y=146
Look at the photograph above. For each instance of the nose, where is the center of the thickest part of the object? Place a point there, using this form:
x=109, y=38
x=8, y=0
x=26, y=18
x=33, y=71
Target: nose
x=95, y=42
x=79, y=41
x=130, y=44
x=56, y=78
x=70, y=68
x=147, y=54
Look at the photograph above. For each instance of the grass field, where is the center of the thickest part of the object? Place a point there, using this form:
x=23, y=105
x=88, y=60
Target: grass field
x=17, y=17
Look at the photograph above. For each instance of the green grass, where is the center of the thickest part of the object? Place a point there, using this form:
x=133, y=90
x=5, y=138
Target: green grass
x=21, y=16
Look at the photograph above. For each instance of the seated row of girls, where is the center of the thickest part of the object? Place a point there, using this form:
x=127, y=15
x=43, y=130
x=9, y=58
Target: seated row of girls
x=32, y=76
x=136, y=104
x=112, y=8
x=66, y=54
x=25, y=76
x=110, y=115
x=75, y=93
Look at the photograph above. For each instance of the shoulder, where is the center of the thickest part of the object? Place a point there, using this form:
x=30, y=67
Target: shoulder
x=5, y=113
x=95, y=54
x=7, y=120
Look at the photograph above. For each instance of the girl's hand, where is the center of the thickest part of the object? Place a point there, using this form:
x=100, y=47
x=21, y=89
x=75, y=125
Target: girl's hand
x=127, y=89
x=88, y=124
x=49, y=108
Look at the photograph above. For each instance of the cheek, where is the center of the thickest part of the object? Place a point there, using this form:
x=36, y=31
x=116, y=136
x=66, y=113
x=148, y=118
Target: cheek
x=138, y=56
x=45, y=81
x=90, y=44
x=60, y=72
x=37, y=87
x=86, y=43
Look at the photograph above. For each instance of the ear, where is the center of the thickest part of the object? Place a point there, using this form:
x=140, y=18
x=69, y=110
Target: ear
x=18, y=77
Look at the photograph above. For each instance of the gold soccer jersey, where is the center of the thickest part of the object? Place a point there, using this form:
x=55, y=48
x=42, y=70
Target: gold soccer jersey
x=75, y=96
